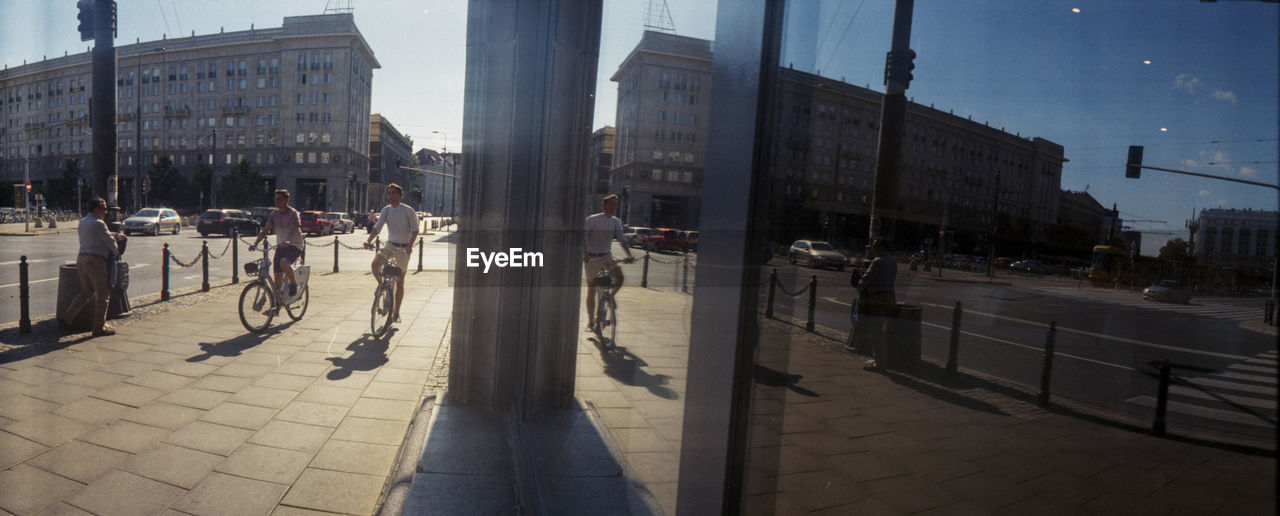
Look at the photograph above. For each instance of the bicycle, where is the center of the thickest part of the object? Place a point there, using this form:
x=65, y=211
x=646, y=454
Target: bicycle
x=384, y=301
x=606, y=306
x=259, y=303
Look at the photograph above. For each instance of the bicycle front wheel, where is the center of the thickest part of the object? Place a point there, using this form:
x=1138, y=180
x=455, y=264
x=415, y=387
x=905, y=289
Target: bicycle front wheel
x=299, y=306
x=384, y=304
x=256, y=307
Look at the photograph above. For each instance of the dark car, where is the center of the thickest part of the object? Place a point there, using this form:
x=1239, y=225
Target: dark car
x=314, y=223
x=1167, y=291
x=221, y=222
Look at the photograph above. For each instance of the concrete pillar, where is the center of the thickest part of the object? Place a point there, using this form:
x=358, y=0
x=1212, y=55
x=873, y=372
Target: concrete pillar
x=531, y=70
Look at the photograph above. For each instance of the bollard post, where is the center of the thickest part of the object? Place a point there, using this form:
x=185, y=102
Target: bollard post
x=1162, y=399
x=644, y=276
x=303, y=258
x=773, y=281
x=204, y=266
x=813, y=301
x=235, y=256
x=684, y=280
x=419, y=254
x=24, y=296
x=955, y=340
x=1047, y=369
x=164, y=273
x=335, y=253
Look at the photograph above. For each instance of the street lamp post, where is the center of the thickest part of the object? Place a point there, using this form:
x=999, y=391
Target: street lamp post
x=137, y=124
x=453, y=190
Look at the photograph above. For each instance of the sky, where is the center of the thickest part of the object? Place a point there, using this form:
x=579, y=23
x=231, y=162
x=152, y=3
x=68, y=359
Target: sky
x=1196, y=83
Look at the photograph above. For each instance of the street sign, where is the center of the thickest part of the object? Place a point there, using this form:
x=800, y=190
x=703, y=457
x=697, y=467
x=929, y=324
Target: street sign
x=28, y=186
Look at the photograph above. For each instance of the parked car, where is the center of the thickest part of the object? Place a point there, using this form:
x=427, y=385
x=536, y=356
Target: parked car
x=1002, y=263
x=260, y=214
x=1031, y=266
x=665, y=239
x=690, y=240
x=816, y=253
x=341, y=222
x=314, y=223
x=1169, y=291
x=639, y=236
x=154, y=221
x=221, y=222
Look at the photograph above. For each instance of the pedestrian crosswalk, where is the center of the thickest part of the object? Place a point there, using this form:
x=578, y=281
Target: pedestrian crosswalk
x=1197, y=307
x=1239, y=399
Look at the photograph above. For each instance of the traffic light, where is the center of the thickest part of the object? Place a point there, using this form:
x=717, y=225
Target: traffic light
x=908, y=64
x=397, y=162
x=1133, y=168
x=86, y=19
x=898, y=66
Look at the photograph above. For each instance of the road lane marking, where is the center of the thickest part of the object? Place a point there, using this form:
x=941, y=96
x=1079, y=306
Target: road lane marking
x=1033, y=348
x=29, y=282
x=1100, y=336
x=15, y=262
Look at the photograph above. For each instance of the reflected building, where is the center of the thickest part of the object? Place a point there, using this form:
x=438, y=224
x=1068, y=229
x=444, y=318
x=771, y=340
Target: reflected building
x=389, y=150
x=1236, y=238
x=293, y=101
x=600, y=165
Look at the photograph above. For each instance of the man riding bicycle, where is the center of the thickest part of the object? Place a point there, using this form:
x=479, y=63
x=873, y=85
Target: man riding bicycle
x=286, y=223
x=402, y=228
x=601, y=230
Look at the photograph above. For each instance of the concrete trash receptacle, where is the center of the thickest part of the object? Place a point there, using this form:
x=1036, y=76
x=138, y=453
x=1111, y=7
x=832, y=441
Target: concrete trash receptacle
x=68, y=289
x=903, y=343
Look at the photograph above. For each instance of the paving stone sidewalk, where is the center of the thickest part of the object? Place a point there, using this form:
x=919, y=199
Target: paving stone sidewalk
x=832, y=438
x=184, y=411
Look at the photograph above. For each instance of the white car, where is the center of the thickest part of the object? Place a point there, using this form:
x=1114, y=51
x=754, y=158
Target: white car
x=154, y=221
x=342, y=223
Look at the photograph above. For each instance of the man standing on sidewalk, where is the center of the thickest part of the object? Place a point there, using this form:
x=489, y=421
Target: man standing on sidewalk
x=402, y=233
x=876, y=301
x=97, y=248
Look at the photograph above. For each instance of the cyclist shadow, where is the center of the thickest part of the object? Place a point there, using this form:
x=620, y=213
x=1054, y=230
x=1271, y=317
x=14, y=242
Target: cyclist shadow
x=368, y=353
x=233, y=346
x=624, y=366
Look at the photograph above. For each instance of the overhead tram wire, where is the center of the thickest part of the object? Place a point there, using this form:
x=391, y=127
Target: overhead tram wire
x=164, y=16
x=1210, y=142
x=822, y=42
x=835, y=52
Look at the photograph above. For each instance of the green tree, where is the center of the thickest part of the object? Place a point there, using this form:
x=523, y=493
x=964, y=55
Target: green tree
x=61, y=192
x=168, y=185
x=243, y=187
x=1175, y=250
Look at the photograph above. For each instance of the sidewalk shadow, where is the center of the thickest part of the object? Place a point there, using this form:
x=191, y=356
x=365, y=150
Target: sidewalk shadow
x=448, y=238
x=624, y=366
x=233, y=346
x=930, y=379
x=765, y=376
x=39, y=342
x=368, y=353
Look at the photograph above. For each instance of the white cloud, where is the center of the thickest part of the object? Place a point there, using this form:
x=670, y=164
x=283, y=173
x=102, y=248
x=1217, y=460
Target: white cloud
x=1225, y=96
x=1248, y=172
x=1190, y=163
x=1203, y=193
x=1186, y=82
x=1220, y=203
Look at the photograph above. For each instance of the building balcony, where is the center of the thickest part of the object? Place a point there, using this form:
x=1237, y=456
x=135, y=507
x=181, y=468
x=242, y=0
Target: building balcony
x=235, y=110
x=177, y=112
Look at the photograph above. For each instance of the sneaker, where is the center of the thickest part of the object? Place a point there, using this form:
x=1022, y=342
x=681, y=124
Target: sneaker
x=591, y=327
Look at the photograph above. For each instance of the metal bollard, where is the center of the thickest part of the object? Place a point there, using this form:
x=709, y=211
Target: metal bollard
x=164, y=273
x=24, y=296
x=813, y=301
x=204, y=266
x=235, y=256
x=419, y=254
x=773, y=282
x=955, y=340
x=335, y=253
x=1047, y=369
x=303, y=258
x=684, y=281
x=644, y=276
x=1162, y=399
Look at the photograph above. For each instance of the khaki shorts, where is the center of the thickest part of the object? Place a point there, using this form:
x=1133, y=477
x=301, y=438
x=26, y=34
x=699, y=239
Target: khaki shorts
x=398, y=256
x=594, y=264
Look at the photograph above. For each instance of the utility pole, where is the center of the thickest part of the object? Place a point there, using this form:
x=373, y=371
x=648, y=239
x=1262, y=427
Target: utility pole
x=102, y=105
x=897, y=77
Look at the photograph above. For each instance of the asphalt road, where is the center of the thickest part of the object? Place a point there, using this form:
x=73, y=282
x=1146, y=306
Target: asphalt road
x=1107, y=342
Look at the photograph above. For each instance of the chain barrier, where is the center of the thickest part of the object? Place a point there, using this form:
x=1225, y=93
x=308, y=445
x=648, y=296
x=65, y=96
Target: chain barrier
x=223, y=253
x=309, y=244
x=665, y=263
x=194, y=261
x=353, y=247
x=788, y=293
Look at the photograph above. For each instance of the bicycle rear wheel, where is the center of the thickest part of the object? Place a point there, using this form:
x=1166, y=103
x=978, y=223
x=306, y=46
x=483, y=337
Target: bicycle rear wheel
x=256, y=307
x=299, y=305
x=606, y=318
x=383, y=311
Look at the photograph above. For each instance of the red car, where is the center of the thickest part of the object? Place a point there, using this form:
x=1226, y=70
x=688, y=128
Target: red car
x=666, y=239
x=314, y=223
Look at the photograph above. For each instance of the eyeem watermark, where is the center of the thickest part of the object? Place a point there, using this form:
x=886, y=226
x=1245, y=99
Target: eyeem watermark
x=514, y=258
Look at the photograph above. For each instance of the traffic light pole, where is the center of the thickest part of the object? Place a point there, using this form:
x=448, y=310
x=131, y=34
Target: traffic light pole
x=103, y=103
x=892, y=121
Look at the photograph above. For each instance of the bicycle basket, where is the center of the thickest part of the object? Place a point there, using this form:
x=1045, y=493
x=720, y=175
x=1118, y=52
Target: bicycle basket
x=602, y=281
x=253, y=267
x=391, y=270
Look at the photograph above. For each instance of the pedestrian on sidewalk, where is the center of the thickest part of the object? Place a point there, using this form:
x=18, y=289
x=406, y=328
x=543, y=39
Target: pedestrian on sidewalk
x=98, y=248
x=875, y=304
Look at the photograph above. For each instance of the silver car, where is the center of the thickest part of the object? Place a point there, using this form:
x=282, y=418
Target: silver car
x=1168, y=291
x=154, y=221
x=816, y=253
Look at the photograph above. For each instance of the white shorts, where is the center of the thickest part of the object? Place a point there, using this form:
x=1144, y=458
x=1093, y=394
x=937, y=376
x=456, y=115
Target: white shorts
x=398, y=256
x=595, y=264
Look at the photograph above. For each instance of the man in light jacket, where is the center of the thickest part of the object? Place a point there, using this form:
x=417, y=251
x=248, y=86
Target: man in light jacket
x=97, y=248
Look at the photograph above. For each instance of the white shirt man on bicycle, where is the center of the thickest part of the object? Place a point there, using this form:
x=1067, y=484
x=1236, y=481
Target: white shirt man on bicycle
x=402, y=232
x=597, y=252
x=286, y=223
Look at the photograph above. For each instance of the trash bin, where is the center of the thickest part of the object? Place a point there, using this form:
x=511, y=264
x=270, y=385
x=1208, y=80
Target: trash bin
x=69, y=287
x=903, y=346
